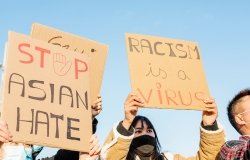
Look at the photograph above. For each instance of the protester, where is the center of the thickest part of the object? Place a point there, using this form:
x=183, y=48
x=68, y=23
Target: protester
x=135, y=137
x=238, y=112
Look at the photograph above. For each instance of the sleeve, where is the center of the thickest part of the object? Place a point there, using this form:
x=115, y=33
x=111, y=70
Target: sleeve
x=116, y=145
x=247, y=152
x=210, y=143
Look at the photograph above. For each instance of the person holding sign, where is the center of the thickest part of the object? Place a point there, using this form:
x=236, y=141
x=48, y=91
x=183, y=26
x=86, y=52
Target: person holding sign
x=238, y=114
x=135, y=138
x=94, y=147
x=21, y=151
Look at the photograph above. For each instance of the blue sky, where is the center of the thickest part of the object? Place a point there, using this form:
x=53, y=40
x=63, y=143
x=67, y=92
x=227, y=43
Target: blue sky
x=221, y=28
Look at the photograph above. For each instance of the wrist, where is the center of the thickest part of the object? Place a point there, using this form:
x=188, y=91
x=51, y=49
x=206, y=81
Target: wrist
x=211, y=127
x=204, y=123
x=126, y=123
x=123, y=131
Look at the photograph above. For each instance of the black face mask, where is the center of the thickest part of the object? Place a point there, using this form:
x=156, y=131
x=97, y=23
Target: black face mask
x=144, y=145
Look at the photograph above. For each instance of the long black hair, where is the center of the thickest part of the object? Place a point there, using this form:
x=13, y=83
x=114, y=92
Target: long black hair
x=157, y=150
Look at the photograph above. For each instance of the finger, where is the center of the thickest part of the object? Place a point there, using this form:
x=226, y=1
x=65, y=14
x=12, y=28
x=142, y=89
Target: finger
x=134, y=109
x=209, y=100
x=131, y=108
x=92, y=138
x=130, y=95
x=135, y=99
x=93, y=149
x=96, y=150
x=211, y=110
x=93, y=141
x=3, y=140
x=97, y=109
x=138, y=99
x=99, y=96
x=4, y=137
x=96, y=105
x=99, y=104
x=99, y=99
x=211, y=106
x=3, y=123
x=93, y=144
x=4, y=131
x=135, y=103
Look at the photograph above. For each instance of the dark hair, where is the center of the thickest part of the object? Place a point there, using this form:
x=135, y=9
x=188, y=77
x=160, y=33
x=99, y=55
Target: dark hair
x=237, y=98
x=157, y=154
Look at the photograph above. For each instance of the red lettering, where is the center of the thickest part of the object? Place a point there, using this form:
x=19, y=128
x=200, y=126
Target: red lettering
x=77, y=68
x=171, y=98
x=187, y=104
x=42, y=52
x=30, y=57
x=149, y=95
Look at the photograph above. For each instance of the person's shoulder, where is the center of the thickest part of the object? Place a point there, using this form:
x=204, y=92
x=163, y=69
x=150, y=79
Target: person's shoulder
x=234, y=143
x=232, y=148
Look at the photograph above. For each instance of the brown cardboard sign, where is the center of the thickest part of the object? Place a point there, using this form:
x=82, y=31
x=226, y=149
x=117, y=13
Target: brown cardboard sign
x=46, y=94
x=97, y=51
x=166, y=73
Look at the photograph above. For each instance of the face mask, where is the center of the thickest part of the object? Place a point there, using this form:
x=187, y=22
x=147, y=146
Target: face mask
x=144, y=145
x=36, y=148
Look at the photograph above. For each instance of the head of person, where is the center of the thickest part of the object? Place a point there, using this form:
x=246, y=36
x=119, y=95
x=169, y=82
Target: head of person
x=238, y=111
x=145, y=142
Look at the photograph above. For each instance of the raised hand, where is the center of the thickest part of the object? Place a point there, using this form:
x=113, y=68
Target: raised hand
x=96, y=107
x=5, y=135
x=94, y=147
x=130, y=108
x=211, y=113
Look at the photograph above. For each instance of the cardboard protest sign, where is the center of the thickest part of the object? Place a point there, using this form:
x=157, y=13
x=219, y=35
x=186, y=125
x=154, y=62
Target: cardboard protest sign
x=166, y=73
x=96, y=51
x=46, y=94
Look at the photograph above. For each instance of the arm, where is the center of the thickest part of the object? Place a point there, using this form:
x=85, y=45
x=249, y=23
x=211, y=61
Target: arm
x=117, y=143
x=211, y=135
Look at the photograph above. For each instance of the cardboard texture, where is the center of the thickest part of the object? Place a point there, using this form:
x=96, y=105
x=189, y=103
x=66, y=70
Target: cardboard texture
x=166, y=73
x=46, y=94
x=97, y=52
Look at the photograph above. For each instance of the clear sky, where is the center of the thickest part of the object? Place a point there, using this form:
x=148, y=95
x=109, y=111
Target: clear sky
x=221, y=28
